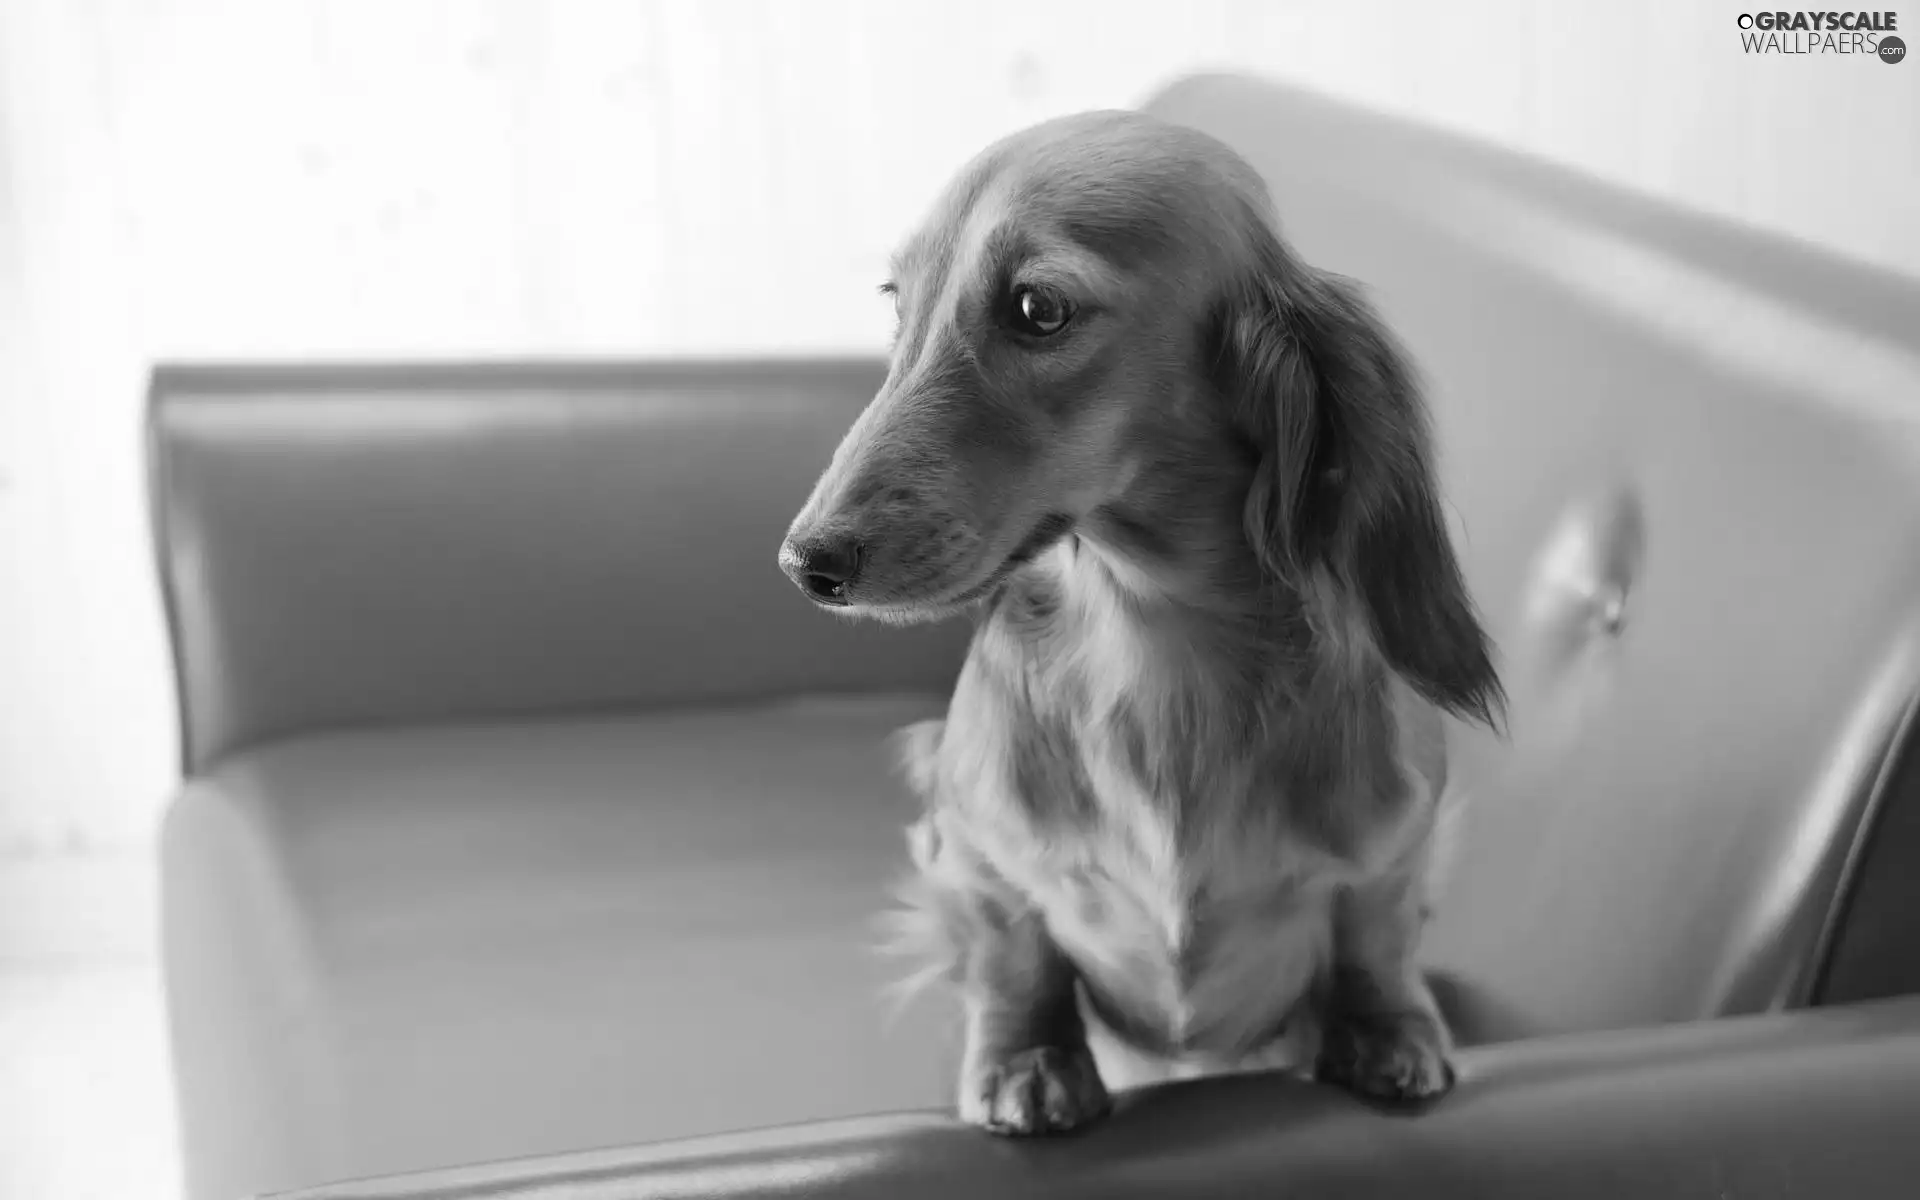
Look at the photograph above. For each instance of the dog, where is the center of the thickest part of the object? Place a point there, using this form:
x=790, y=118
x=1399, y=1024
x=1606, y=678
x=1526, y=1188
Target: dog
x=1185, y=791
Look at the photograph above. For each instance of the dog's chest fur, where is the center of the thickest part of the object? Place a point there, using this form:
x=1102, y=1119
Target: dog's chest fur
x=1118, y=775
x=1182, y=950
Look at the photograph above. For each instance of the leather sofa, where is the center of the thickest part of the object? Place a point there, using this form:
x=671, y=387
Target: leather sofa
x=527, y=811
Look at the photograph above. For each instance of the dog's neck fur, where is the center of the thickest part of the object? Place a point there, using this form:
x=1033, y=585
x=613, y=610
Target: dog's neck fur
x=1153, y=630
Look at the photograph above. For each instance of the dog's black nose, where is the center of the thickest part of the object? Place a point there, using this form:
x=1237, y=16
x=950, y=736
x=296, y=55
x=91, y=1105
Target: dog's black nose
x=823, y=568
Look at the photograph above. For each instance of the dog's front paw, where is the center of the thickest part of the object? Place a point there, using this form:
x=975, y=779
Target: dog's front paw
x=1048, y=1089
x=1397, y=1057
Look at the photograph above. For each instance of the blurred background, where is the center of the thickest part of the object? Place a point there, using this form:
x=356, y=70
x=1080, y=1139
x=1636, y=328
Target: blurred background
x=298, y=178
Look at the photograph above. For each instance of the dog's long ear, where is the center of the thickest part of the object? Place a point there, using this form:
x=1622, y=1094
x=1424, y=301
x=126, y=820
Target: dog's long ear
x=1344, y=507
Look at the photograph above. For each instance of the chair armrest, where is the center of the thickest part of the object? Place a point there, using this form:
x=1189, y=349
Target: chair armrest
x=1813, y=1103
x=351, y=546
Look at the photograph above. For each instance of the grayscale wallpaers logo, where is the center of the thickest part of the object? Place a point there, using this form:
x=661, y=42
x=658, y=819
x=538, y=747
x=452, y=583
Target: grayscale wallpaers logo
x=1867, y=34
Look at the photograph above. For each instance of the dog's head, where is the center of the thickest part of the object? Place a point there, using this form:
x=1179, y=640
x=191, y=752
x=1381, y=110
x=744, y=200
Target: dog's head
x=1099, y=328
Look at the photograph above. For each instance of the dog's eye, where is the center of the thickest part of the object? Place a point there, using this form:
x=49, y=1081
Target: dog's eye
x=1040, y=312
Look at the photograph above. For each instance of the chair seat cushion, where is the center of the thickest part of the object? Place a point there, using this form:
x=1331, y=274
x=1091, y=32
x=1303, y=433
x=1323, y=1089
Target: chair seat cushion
x=399, y=949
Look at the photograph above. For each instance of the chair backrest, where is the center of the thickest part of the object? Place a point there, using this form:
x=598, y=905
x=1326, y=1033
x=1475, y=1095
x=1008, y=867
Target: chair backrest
x=368, y=545
x=1685, y=460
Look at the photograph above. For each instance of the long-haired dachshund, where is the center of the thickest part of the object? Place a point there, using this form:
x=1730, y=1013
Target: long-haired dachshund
x=1185, y=792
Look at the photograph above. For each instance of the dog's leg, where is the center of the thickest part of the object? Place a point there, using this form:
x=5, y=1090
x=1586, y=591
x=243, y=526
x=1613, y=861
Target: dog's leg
x=1384, y=1036
x=1027, y=1068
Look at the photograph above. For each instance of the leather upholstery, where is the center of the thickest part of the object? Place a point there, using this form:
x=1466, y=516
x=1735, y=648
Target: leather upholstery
x=1871, y=955
x=396, y=948
x=418, y=912
x=1811, y=1104
x=391, y=544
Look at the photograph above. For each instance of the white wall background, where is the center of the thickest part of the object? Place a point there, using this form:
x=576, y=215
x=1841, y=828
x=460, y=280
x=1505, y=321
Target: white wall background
x=281, y=178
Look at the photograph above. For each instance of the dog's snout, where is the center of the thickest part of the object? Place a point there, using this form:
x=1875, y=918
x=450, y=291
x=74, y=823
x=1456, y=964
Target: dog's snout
x=823, y=569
